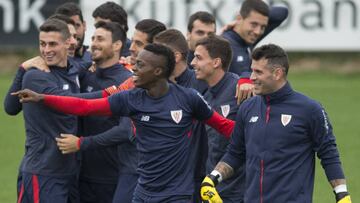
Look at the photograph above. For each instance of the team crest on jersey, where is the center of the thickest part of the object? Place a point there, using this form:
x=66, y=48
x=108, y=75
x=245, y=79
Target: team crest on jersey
x=225, y=110
x=285, y=119
x=176, y=115
x=240, y=59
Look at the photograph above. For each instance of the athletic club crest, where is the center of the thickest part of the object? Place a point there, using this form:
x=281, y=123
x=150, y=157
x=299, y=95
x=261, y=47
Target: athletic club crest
x=225, y=110
x=176, y=115
x=285, y=119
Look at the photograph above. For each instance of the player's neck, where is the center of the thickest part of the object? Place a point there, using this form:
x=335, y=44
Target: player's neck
x=158, y=89
x=107, y=62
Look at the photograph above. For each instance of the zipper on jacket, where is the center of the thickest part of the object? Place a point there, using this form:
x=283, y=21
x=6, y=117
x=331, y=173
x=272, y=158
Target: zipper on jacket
x=267, y=109
x=261, y=179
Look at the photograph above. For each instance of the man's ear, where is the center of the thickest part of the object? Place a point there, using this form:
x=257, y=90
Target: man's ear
x=158, y=71
x=217, y=62
x=178, y=56
x=117, y=46
x=239, y=17
x=278, y=73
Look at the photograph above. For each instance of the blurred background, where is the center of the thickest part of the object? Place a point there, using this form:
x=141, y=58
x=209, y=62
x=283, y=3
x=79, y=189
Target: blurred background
x=322, y=38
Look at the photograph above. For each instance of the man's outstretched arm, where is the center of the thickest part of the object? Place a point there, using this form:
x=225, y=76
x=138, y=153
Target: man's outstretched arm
x=68, y=105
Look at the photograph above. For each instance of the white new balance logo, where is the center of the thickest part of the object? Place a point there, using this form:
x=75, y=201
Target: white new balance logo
x=145, y=118
x=253, y=119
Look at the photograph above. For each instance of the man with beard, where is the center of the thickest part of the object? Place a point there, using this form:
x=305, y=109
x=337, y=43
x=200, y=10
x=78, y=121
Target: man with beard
x=113, y=12
x=73, y=11
x=100, y=167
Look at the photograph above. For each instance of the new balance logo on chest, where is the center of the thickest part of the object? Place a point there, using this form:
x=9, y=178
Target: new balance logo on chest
x=145, y=118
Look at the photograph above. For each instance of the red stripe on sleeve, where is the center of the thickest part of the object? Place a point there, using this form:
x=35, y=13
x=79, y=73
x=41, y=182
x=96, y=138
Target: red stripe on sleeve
x=77, y=106
x=222, y=125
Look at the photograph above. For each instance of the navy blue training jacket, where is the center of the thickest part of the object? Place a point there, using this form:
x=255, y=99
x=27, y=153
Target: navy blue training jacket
x=43, y=124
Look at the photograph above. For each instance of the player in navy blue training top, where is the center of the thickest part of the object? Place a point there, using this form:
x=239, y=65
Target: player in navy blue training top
x=254, y=21
x=45, y=172
x=211, y=62
x=100, y=168
x=162, y=113
x=277, y=134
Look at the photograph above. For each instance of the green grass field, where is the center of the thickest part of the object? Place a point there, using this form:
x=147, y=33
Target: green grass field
x=339, y=94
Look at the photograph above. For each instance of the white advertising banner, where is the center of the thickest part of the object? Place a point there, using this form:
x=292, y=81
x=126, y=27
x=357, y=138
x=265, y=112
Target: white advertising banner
x=312, y=25
x=316, y=25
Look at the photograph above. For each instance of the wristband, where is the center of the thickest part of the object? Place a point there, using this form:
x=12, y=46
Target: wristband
x=217, y=175
x=340, y=188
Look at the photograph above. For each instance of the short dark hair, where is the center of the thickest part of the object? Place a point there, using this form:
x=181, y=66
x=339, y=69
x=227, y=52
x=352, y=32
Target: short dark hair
x=64, y=18
x=117, y=32
x=217, y=47
x=70, y=9
x=168, y=55
x=275, y=55
x=174, y=39
x=150, y=27
x=56, y=25
x=258, y=6
x=203, y=16
x=114, y=12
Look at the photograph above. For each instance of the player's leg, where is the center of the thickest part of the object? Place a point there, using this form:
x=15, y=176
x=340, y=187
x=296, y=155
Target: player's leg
x=125, y=188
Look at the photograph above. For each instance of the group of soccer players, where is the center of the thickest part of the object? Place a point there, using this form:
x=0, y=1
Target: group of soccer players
x=140, y=120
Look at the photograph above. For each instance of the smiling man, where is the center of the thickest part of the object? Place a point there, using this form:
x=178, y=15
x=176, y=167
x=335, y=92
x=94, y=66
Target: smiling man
x=211, y=63
x=254, y=21
x=100, y=168
x=277, y=135
x=45, y=172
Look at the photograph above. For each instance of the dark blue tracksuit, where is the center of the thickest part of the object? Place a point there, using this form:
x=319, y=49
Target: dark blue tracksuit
x=241, y=60
x=278, y=135
x=221, y=98
x=100, y=168
x=199, y=137
x=45, y=172
x=163, y=135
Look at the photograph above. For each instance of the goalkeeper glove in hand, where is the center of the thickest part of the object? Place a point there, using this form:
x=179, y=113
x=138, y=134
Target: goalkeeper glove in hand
x=342, y=197
x=208, y=191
